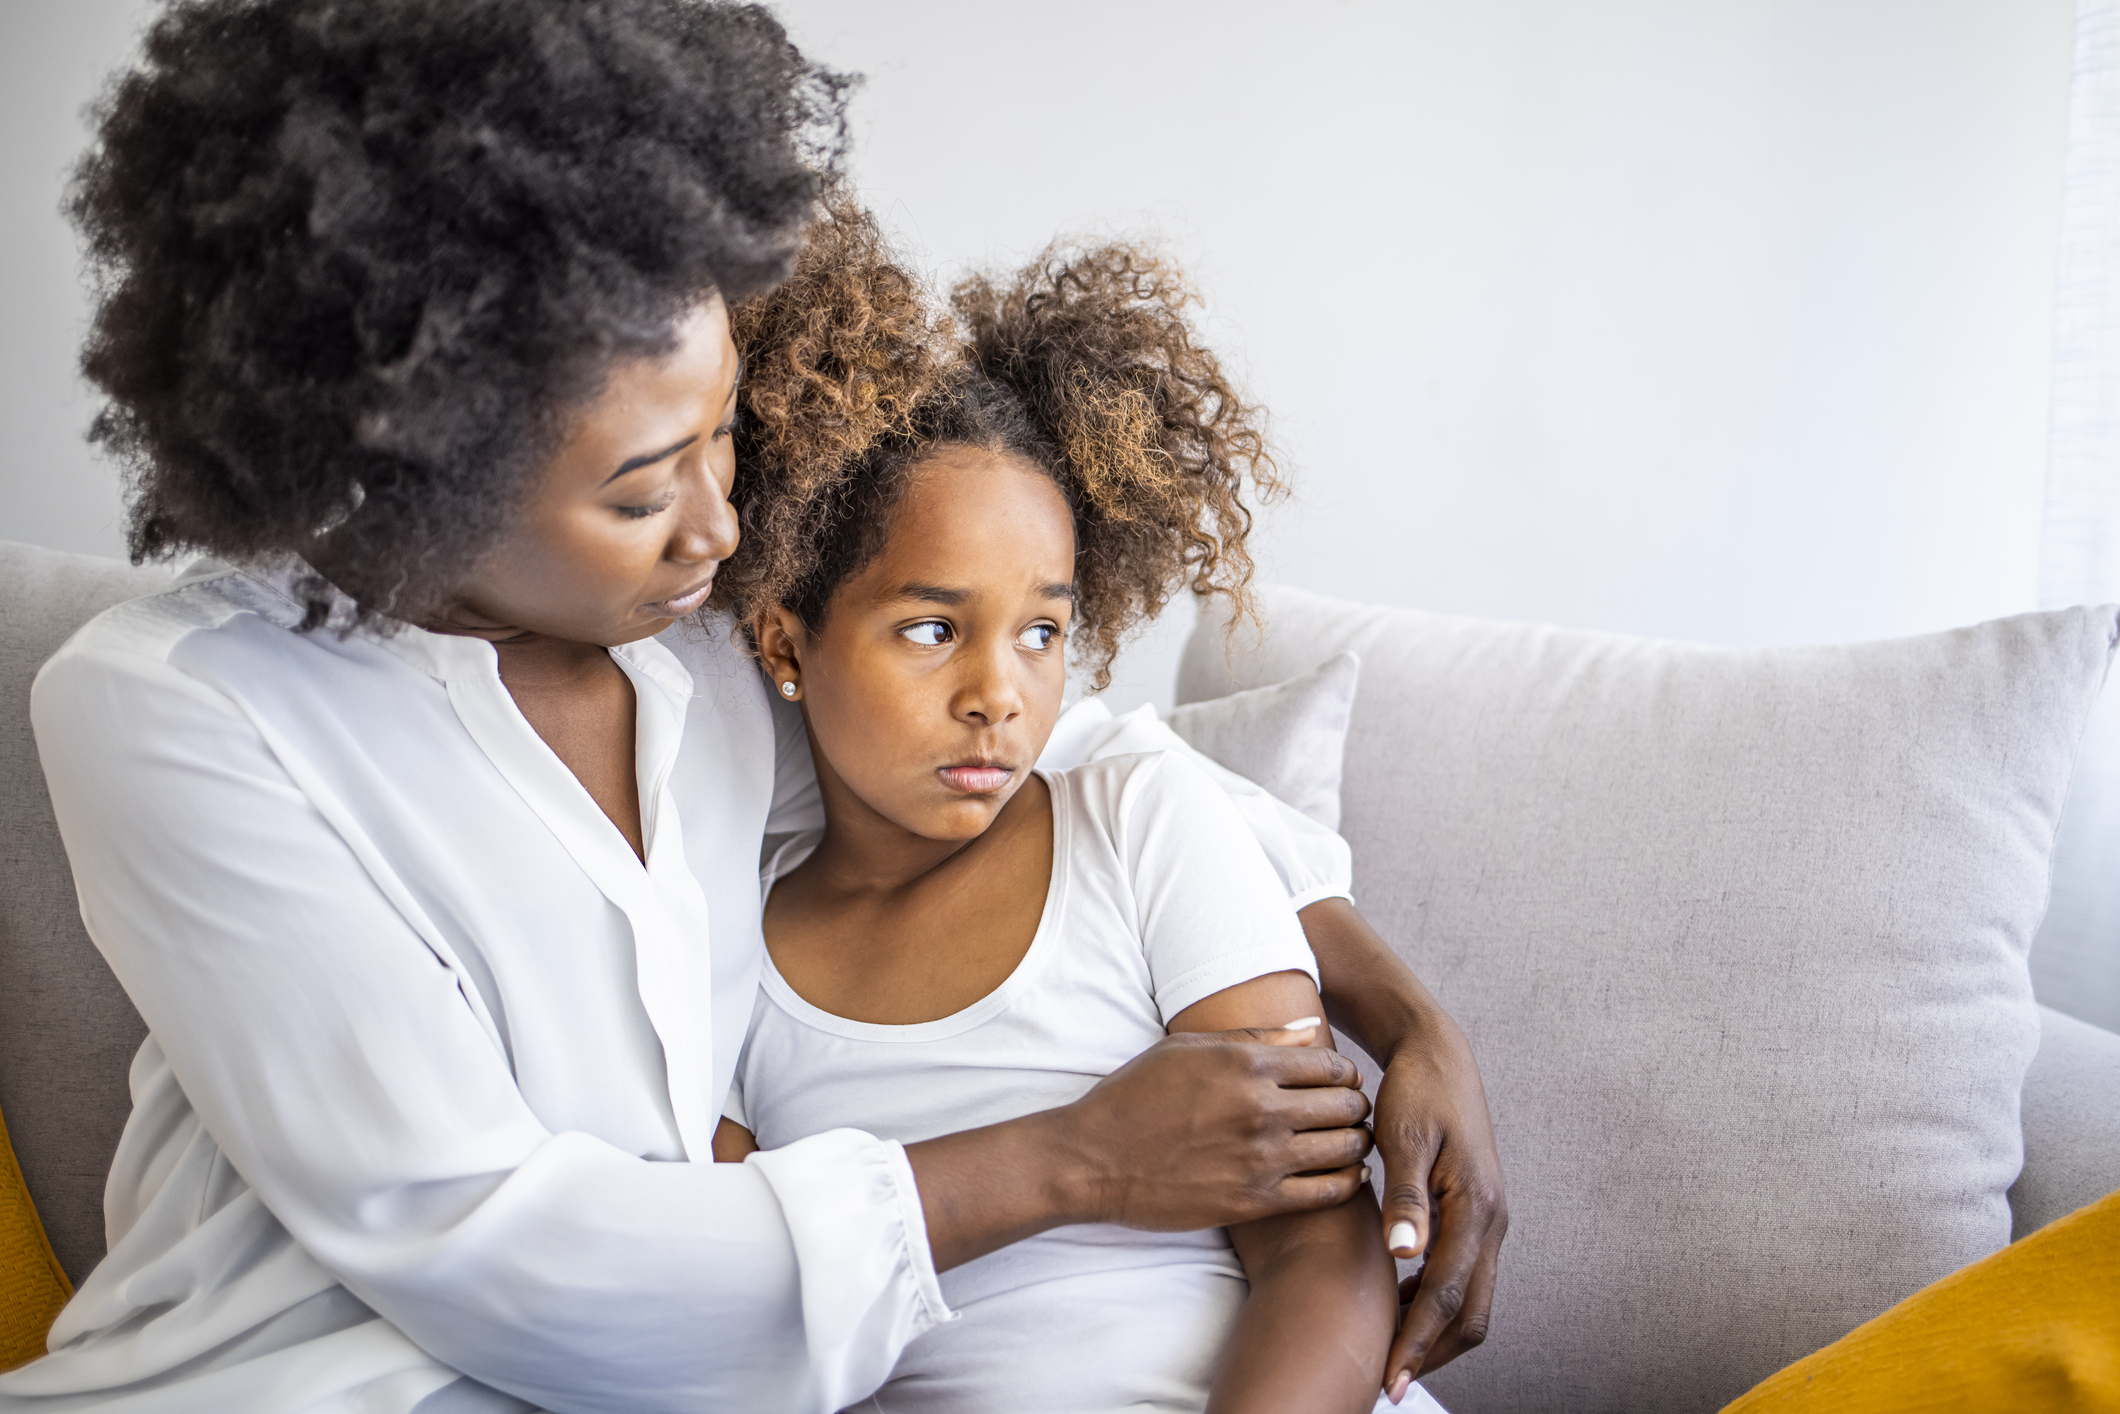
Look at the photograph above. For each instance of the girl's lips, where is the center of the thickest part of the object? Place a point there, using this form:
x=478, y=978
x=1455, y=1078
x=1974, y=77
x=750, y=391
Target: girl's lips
x=679, y=605
x=975, y=780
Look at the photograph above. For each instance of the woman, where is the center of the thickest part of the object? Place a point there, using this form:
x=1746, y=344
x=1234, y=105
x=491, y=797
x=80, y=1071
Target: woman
x=418, y=311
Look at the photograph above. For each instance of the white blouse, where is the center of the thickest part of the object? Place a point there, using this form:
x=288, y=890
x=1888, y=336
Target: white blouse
x=430, y=1050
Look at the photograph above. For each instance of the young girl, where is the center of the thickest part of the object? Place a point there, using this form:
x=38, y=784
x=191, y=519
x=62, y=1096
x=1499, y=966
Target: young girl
x=930, y=517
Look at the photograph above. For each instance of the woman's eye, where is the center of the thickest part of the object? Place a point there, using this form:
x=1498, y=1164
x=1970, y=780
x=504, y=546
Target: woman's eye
x=1038, y=636
x=642, y=512
x=929, y=633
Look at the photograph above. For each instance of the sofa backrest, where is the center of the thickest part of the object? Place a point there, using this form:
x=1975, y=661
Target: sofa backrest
x=67, y=1032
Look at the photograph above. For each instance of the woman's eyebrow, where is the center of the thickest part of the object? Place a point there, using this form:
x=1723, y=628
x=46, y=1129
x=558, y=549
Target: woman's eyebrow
x=1057, y=591
x=636, y=463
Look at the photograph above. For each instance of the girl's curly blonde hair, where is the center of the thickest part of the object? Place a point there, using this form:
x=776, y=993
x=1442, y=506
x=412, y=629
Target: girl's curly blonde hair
x=1082, y=364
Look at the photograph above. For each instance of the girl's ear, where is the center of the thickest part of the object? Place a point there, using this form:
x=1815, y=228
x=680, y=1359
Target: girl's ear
x=781, y=639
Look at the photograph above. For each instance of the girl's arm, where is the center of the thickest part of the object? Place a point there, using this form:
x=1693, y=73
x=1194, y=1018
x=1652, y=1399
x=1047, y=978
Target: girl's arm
x=1316, y=1329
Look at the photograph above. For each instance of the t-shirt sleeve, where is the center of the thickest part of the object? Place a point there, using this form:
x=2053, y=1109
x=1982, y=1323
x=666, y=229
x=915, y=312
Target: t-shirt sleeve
x=1211, y=909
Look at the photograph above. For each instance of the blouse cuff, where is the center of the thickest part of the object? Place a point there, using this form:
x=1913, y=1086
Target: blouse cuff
x=860, y=1237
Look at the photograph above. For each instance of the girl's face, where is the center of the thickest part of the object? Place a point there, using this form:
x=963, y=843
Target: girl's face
x=625, y=526
x=937, y=675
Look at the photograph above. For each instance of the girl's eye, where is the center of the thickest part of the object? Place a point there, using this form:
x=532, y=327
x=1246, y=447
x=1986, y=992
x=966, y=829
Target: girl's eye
x=928, y=633
x=643, y=512
x=1038, y=636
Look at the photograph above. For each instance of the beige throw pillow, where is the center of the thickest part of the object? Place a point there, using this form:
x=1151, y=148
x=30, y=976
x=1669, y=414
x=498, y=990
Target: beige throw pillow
x=1740, y=938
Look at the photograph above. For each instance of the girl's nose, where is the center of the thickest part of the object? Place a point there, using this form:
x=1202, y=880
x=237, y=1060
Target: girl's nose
x=992, y=695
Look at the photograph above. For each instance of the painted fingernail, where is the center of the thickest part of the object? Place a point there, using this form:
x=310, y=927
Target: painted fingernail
x=1399, y=1386
x=1403, y=1242
x=1305, y=1023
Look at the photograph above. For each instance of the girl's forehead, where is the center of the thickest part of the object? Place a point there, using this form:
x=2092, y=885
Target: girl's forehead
x=973, y=513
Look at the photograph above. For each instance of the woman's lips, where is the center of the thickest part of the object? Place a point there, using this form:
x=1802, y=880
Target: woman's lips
x=975, y=780
x=678, y=605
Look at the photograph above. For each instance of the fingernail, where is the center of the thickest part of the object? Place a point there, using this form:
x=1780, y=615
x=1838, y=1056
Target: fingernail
x=1399, y=1386
x=1365, y=1175
x=1305, y=1023
x=1403, y=1242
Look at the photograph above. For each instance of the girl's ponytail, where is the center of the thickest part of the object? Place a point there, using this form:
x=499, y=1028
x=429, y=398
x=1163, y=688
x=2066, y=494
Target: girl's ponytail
x=1152, y=440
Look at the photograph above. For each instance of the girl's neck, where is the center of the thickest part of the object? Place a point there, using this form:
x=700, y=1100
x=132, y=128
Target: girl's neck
x=865, y=854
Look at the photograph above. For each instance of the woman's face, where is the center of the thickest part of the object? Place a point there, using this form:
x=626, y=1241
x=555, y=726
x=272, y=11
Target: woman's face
x=625, y=526
x=935, y=679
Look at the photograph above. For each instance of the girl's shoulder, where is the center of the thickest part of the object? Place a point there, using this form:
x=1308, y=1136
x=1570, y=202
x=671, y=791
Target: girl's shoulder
x=1127, y=796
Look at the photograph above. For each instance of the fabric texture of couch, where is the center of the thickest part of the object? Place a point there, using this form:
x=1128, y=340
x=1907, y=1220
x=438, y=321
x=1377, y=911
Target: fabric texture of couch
x=1740, y=938
x=67, y=1033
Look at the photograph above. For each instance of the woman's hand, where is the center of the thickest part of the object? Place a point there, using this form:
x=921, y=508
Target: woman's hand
x=1197, y=1131
x=1442, y=1174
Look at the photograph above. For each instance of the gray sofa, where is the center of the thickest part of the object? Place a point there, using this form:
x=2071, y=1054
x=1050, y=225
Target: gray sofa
x=1739, y=937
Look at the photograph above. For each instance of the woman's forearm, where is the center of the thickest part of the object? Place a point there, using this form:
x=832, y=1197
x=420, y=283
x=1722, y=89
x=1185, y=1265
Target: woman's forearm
x=1197, y=1131
x=1443, y=1194
x=986, y=1188
x=1370, y=994
x=1317, y=1326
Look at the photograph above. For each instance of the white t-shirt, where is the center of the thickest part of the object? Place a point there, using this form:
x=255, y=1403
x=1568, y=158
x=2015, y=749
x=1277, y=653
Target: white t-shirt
x=1160, y=896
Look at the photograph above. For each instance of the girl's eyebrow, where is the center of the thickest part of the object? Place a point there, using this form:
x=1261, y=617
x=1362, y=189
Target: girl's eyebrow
x=936, y=594
x=930, y=593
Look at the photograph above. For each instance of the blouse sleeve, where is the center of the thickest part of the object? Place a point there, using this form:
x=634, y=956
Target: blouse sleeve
x=1209, y=909
x=348, y=1076
x=1313, y=863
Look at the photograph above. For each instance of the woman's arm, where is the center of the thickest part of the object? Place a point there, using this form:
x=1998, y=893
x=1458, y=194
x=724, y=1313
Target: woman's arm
x=1318, y=1323
x=1443, y=1176
x=1442, y=1173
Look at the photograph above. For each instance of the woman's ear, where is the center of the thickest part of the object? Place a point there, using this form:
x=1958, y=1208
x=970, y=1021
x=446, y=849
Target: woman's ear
x=781, y=639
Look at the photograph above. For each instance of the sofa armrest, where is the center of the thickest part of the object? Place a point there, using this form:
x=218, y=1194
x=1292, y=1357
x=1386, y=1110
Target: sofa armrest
x=2071, y=1123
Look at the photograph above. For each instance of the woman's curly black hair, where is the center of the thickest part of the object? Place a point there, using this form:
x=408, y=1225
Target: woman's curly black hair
x=1083, y=365
x=357, y=261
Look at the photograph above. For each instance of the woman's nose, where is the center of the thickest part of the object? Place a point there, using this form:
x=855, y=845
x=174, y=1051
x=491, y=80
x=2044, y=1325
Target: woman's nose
x=705, y=529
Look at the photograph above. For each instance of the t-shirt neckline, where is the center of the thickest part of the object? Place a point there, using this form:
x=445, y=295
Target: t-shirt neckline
x=987, y=1007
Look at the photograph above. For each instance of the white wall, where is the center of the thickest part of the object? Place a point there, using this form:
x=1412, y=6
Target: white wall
x=1727, y=321
x=53, y=57
x=1722, y=321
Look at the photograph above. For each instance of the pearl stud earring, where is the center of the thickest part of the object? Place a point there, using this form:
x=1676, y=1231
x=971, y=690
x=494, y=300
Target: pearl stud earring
x=787, y=689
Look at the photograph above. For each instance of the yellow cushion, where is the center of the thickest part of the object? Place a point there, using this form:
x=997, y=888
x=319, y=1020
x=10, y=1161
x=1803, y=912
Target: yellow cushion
x=2033, y=1329
x=32, y=1286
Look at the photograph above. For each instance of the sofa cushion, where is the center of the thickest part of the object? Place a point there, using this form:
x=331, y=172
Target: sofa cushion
x=1290, y=737
x=2071, y=1123
x=32, y=1287
x=67, y=1033
x=2030, y=1330
x=1739, y=937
